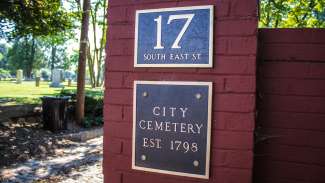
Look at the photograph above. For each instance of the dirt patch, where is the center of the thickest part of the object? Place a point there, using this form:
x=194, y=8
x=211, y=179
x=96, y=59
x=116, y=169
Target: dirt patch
x=79, y=163
x=25, y=139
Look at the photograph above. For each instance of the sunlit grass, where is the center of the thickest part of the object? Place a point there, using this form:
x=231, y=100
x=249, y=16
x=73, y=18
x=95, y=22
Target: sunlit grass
x=27, y=92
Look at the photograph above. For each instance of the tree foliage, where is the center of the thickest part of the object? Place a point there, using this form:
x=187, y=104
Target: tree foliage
x=3, y=56
x=292, y=14
x=96, y=57
x=33, y=17
x=53, y=25
x=26, y=54
x=72, y=61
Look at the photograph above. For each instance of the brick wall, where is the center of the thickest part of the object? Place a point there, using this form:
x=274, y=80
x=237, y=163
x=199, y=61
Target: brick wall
x=291, y=106
x=233, y=76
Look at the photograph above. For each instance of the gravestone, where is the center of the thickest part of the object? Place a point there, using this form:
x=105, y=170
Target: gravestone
x=62, y=77
x=19, y=76
x=69, y=82
x=56, y=78
x=37, y=81
x=37, y=78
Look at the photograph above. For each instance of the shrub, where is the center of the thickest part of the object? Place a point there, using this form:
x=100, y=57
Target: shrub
x=4, y=74
x=93, y=106
x=45, y=74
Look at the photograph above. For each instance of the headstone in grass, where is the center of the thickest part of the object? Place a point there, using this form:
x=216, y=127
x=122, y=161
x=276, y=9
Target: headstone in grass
x=37, y=78
x=19, y=76
x=69, y=82
x=37, y=81
x=56, y=78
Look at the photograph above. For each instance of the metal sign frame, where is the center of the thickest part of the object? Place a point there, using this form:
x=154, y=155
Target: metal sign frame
x=208, y=143
x=191, y=65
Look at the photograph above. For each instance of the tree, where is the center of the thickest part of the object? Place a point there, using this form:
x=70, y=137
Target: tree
x=33, y=17
x=46, y=21
x=95, y=60
x=80, y=105
x=25, y=54
x=3, y=56
x=292, y=13
x=58, y=40
x=72, y=61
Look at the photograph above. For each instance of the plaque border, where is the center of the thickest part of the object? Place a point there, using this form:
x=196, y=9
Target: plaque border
x=208, y=146
x=211, y=25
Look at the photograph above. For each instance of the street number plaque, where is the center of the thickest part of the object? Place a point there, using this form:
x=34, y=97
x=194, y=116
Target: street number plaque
x=174, y=37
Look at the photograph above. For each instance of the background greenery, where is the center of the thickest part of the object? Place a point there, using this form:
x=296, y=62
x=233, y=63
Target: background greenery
x=292, y=14
x=27, y=93
x=44, y=34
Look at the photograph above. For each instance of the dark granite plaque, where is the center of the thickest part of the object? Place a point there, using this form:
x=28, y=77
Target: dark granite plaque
x=171, y=127
x=174, y=37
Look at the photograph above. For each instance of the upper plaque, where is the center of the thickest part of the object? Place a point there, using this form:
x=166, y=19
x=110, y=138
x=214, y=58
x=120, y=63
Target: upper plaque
x=174, y=37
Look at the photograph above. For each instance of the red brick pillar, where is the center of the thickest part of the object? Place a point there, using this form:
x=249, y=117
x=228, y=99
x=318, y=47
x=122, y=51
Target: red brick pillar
x=233, y=76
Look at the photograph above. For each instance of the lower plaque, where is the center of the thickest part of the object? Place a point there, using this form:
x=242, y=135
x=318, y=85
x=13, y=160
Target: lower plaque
x=172, y=127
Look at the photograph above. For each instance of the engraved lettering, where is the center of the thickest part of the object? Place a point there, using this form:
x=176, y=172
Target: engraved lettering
x=152, y=143
x=190, y=128
x=167, y=126
x=154, y=111
x=183, y=128
x=183, y=111
x=145, y=142
x=199, y=128
x=172, y=111
x=140, y=124
x=150, y=125
x=159, y=127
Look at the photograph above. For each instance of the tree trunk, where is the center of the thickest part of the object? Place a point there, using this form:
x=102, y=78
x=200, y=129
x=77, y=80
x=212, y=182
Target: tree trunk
x=53, y=53
x=91, y=68
x=95, y=55
x=29, y=67
x=24, y=67
x=80, y=105
x=102, y=46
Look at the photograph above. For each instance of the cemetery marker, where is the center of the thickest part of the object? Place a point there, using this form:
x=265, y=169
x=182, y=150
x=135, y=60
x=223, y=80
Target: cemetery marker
x=172, y=127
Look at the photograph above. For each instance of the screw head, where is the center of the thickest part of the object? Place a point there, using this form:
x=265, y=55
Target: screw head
x=196, y=163
x=198, y=96
x=145, y=94
x=143, y=157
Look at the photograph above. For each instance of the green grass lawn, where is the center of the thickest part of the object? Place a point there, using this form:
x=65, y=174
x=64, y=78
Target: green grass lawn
x=27, y=92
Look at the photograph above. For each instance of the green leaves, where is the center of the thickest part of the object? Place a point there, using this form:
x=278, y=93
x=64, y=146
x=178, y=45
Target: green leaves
x=20, y=55
x=292, y=14
x=33, y=17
